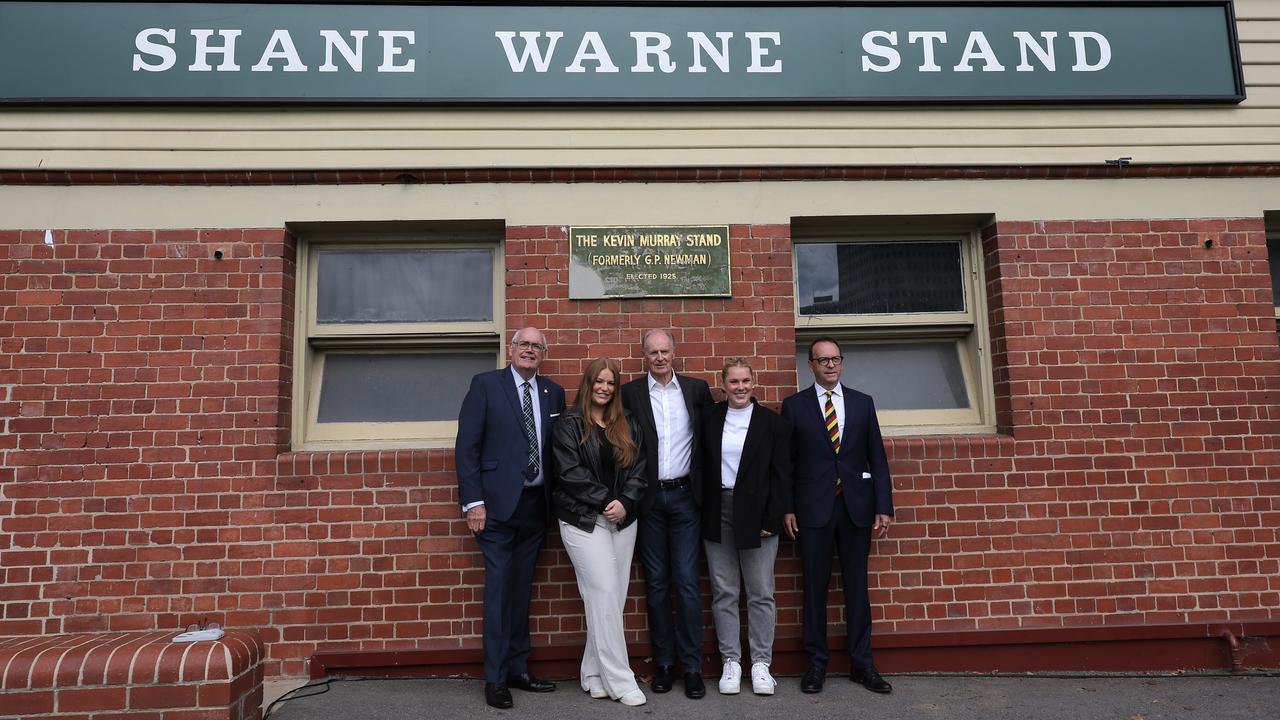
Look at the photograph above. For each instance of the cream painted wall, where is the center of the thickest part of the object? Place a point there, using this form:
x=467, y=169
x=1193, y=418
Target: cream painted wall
x=630, y=203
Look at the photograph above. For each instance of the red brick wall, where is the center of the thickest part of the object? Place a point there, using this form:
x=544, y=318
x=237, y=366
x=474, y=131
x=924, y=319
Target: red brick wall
x=146, y=481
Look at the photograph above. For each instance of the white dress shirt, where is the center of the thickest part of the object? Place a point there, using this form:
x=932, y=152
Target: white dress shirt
x=537, y=419
x=675, y=429
x=837, y=399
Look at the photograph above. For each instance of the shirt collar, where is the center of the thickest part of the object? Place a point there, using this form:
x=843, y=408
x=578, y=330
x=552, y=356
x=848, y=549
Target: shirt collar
x=653, y=383
x=533, y=381
x=837, y=391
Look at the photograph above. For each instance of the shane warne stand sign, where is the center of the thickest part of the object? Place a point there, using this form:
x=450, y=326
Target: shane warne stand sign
x=603, y=52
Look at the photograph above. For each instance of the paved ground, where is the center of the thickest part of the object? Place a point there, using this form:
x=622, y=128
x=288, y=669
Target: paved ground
x=915, y=697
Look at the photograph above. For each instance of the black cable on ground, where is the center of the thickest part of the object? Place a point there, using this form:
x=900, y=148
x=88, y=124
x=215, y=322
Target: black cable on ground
x=323, y=684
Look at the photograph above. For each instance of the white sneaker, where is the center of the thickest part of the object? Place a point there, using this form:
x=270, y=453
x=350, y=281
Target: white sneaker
x=762, y=683
x=633, y=698
x=731, y=678
x=596, y=688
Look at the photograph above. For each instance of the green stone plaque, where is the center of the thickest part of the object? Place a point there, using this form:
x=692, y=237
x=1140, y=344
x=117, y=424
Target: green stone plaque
x=648, y=261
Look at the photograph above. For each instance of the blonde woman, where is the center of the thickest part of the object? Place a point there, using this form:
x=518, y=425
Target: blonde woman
x=746, y=450
x=596, y=446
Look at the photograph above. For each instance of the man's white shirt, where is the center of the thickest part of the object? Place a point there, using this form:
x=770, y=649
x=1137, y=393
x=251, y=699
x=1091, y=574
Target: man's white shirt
x=675, y=430
x=837, y=399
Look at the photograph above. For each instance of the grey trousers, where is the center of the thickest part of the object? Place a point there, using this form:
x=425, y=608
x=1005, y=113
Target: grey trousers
x=602, y=561
x=730, y=568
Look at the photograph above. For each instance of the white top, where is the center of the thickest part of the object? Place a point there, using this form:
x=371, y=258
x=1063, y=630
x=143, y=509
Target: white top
x=731, y=443
x=675, y=429
x=837, y=399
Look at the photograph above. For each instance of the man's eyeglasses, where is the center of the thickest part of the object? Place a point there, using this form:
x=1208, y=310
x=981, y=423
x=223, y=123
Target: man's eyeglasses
x=527, y=345
x=204, y=624
x=829, y=361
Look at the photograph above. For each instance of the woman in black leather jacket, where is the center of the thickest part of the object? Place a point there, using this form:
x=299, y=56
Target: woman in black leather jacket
x=600, y=468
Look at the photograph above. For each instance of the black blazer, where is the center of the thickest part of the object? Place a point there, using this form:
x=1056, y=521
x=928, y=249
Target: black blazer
x=862, y=464
x=579, y=493
x=762, y=490
x=697, y=396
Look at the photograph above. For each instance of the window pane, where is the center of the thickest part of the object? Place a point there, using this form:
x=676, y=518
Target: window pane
x=879, y=278
x=373, y=286
x=397, y=387
x=900, y=376
x=1273, y=254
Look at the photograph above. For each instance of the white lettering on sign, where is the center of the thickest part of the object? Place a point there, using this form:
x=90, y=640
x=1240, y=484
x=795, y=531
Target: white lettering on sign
x=881, y=51
x=1044, y=53
x=280, y=47
x=532, y=51
x=537, y=49
x=353, y=55
x=156, y=51
x=592, y=48
x=719, y=56
x=1082, y=52
x=227, y=50
x=146, y=44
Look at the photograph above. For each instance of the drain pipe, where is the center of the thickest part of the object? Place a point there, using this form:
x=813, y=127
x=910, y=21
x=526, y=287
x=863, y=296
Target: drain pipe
x=1233, y=642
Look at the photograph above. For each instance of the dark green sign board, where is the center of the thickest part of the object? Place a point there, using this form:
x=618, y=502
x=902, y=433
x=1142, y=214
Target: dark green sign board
x=722, y=52
x=633, y=262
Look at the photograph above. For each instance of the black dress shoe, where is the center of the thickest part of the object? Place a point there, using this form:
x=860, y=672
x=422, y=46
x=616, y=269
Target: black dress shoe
x=694, y=688
x=813, y=679
x=662, y=679
x=529, y=683
x=497, y=695
x=871, y=680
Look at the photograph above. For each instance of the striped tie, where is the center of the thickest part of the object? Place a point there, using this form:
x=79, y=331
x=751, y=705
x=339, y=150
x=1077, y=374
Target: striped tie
x=530, y=431
x=833, y=428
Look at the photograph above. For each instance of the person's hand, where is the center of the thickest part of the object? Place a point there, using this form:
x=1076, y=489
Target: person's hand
x=881, y=528
x=765, y=534
x=475, y=519
x=789, y=524
x=615, y=513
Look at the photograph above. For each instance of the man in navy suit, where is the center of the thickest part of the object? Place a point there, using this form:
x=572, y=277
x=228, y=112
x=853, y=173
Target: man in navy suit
x=503, y=457
x=842, y=496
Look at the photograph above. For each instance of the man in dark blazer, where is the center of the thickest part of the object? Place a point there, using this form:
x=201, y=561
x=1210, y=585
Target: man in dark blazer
x=842, y=496
x=503, y=455
x=669, y=407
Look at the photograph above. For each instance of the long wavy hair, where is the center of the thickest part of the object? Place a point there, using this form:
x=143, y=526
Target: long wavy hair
x=625, y=448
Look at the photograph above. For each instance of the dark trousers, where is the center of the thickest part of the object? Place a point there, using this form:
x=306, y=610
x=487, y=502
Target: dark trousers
x=853, y=543
x=668, y=542
x=510, y=551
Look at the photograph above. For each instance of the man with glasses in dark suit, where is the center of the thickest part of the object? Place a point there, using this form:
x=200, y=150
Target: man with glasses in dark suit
x=843, y=496
x=502, y=456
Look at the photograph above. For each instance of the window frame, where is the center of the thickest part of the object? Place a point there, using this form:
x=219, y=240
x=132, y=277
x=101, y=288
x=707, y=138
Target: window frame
x=1273, y=238
x=968, y=329
x=313, y=341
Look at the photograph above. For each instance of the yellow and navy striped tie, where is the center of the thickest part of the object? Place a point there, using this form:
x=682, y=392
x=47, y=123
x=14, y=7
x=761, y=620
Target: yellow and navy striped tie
x=833, y=428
